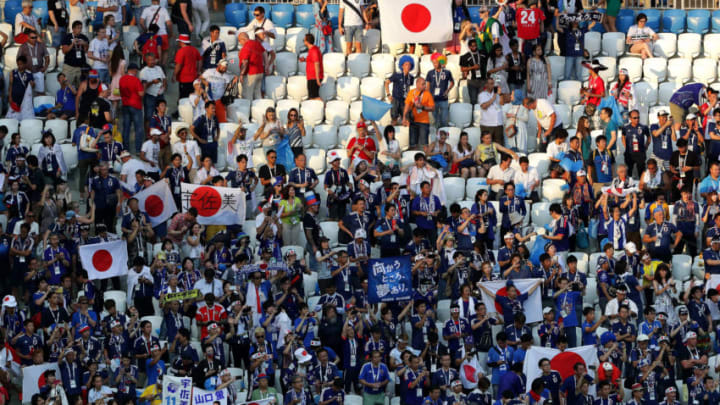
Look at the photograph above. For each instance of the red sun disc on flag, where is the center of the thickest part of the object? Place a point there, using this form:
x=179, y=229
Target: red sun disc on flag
x=154, y=205
x=503, y=293
x=102, y=260
x=206, y=200
x=415, y=17
x=564, y=363
x=41, y=380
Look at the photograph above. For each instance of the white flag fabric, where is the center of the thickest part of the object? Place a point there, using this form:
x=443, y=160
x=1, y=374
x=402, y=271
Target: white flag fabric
x=416, y=21
x=203, y=397
x=619, y=191
x=105, y=259
x=177, y=390
x=532, y=306
x=215, y=205
x=562, y=362
x=157, y=202
x=469, y=370
x=33, y=379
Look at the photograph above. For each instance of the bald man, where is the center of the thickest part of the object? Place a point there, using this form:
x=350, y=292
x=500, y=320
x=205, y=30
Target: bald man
x=418, y=105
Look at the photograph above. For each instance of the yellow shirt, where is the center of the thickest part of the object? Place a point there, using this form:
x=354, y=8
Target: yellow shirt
x=649, y=270
x=152, y=391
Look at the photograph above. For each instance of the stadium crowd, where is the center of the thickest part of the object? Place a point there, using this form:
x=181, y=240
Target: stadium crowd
x=497, y=182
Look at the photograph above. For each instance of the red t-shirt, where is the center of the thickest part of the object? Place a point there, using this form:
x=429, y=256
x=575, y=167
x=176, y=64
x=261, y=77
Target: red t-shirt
x=129, y=88
x=596, y=86
x=188, y=57
x=528, y=22
x=313, y=56
x=253, y=52
x=369, y=144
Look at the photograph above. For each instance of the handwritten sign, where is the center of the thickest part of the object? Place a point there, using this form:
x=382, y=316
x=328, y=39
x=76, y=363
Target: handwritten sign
x=390, y=279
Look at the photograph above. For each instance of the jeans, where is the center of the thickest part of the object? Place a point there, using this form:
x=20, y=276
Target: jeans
x=104, y=75
x=419, y=134
x=132, y=116
x=573, y=68
x=571, y=334
x=441, y=113
x=58, y=36
x=149, y=103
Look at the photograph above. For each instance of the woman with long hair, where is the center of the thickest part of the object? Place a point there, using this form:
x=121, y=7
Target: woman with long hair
x=624, y=93
x=464, y=157
x=322, y=30
x=583, y=133
x=51, y=159
x=485, y=212
x=390, y=153
x=460, y=13
x=295, y=131
x=117, y=70
x=539, y=74
x=292, y=212
x=497, y=66
x=664, y=287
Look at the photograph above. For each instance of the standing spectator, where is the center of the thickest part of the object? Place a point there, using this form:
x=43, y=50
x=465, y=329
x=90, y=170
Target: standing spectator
x=351, y=22
x=573, y=45
x=21, y=85
x=158, y=15
x=181, y=15
x=473, y=65
x=547, y=120
x=99, y=53
x=112, y=8
x=594, y=92
x=148, y=43
x=261, y=21
x=420, y=102
x=59, y=18
x=337, y=185
x=155, y=83
x=601, y=164
x=426, y=208
x=213, y=48
x=402, y=82
x=374, y=376
x=74, y=46
x=252, y=66
x=201, y=20
x=313, y=68
x=491, y=120
x=440, y=82
x=216, y=80
x=516, y=66
x=187, y=66
x=663, y=138
x=612, y=9
x=539, y=74
x=530, y=23
x=106, y=192
x=132, y=92
x=635, y=139
x=206, y=130
x=36, y=53
x=85, y=138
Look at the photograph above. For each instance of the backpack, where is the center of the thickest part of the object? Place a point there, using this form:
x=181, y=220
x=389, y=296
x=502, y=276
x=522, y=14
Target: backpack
x=150, y=46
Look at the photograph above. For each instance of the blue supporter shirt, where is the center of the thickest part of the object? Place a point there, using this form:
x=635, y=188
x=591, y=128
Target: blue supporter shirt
x=372, y=374
x=401, y=85
x=438, y=83
x=662, y=144
x=603, y=162
x=664, y=233
x=688, y=95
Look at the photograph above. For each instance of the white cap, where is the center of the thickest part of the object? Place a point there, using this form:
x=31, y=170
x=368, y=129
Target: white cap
x=9, y=301
x=580, y=173
x=302, y=355
x=690, y=335
x=643, y=337
x=547, y=310
x=607, y=366
x=155, y=131
x=509, y=235
x=630, y=247
x=333, y=156
x=691, y=116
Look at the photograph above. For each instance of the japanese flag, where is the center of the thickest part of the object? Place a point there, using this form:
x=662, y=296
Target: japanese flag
x=157, y=202
x=532, y=306
x=215, y=205
x=416, y=21
x=469, y=371
x=619, y=191
x=34, y=379
x=562, y=362
x=105, y=259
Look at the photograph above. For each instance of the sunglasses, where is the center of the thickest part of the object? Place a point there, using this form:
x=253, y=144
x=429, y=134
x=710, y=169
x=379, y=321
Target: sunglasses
x=259, y=336
x=32, y=37
x=257, y=14
x=635, y=118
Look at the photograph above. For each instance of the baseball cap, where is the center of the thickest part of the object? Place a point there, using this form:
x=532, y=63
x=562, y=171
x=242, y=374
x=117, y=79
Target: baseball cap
x=361, y=124
x=630, y=247
x=124, y=154
x=93, y=74
x=547, y=310
x=84, y=327
x=643, y=338
x=690, y=116
x=682, y=310
x=668, y=390
x=637, y=387
x=69, y=214
x=663, y=112
x=9, y=301
x=155, y=131
x=387, y=176
x=580, y=173
x=333, y=156
x=360, y=234
x=509, y=235
x=690, y=335
x=223, y=62
x=607, y=366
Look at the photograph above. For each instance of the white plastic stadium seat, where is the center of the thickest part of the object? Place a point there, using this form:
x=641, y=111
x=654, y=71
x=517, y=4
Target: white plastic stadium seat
x=344, y=133
x=229, y=36
x=258, y=108
x=59, y=128
x=426, y=65
x=443, y=310
x=43, y=100
x=10, y=56
x=552, y=189
x=593, y=41
x=120, y=298
x=655, y=70
x=348, y=88
x=710, y=46
x=315, y=159
x=454, y=189
x=609, y=74
x=633, y=65
x=325, y=137
x=461, y=115
x=704, y=70
x=278, y=43
x=156, y=322
x=679, y=70
x=540, y=213
x=557, y=65
x=564, y=114
x=336, y=112
x=541, y=163
x=665, y=91
x=613, y=44
x=286, y=63
x=569, y=92
x=382, y=65
x=283, y=107
x=681, y=267
x=239, y=110
x=297, y=88
x=372, y=86
x=666, y=45
x=70, y=154
x=233, y=62
x=582, y=261
x=30, y=131
x=358, y=64
x=646, y=93
x=334, y=64
x=688, y=45
x=312, y=112
x=294, y=38
x=371, y=41
x=275, y=87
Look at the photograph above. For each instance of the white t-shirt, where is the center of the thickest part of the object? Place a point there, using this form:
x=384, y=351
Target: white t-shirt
x=203, y=174
x=133, y=277
x=112, y=3
x=265, y=24
x=129, y=168
x=94, y=395
x=527, y=179
x=161, y=19
x=34, y=228
x=217, y=82
x=192, y=148
x=496, y=173
x=152, y=153
x=148, y=74
x=492, y=116
x=543, y=113
x=100, y=49
x=350, y=17
x=198, y=109
x=636, y=33
x=554, y=149
x=245, y=147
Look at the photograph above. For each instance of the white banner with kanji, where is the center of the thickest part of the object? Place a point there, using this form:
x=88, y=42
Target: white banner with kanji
x=177, y=390
x=215, y=205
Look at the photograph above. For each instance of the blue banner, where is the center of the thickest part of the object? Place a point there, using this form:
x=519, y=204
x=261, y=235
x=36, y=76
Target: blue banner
x=390, y=279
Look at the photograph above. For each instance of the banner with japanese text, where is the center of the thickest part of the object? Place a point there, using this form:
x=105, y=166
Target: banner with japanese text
x=389, y=279
x=203, y=397
x=215, y=205
x=177, y=390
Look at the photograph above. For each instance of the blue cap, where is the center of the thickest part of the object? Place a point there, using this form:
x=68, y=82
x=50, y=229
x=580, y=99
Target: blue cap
x=70, y=214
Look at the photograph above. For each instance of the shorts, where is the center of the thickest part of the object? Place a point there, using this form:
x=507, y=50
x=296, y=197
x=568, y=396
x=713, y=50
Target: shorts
x=165, y=42
x=677, y=113
x=353, y=33
x=313, y=89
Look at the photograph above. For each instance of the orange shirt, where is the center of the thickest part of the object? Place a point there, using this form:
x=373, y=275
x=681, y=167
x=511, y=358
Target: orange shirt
x=426, y=100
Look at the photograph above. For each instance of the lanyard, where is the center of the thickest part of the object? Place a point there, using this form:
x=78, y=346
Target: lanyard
x=209, y=126
x=375, y=377
x=178, y=175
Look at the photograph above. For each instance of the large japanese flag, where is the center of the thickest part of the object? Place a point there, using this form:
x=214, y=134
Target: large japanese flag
x=562, y=362
x=33, y=379
x=469, y=371
x=416, y=21
x=215, y=205
x=157, y=202
x=532, y=306
x=105, y=259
